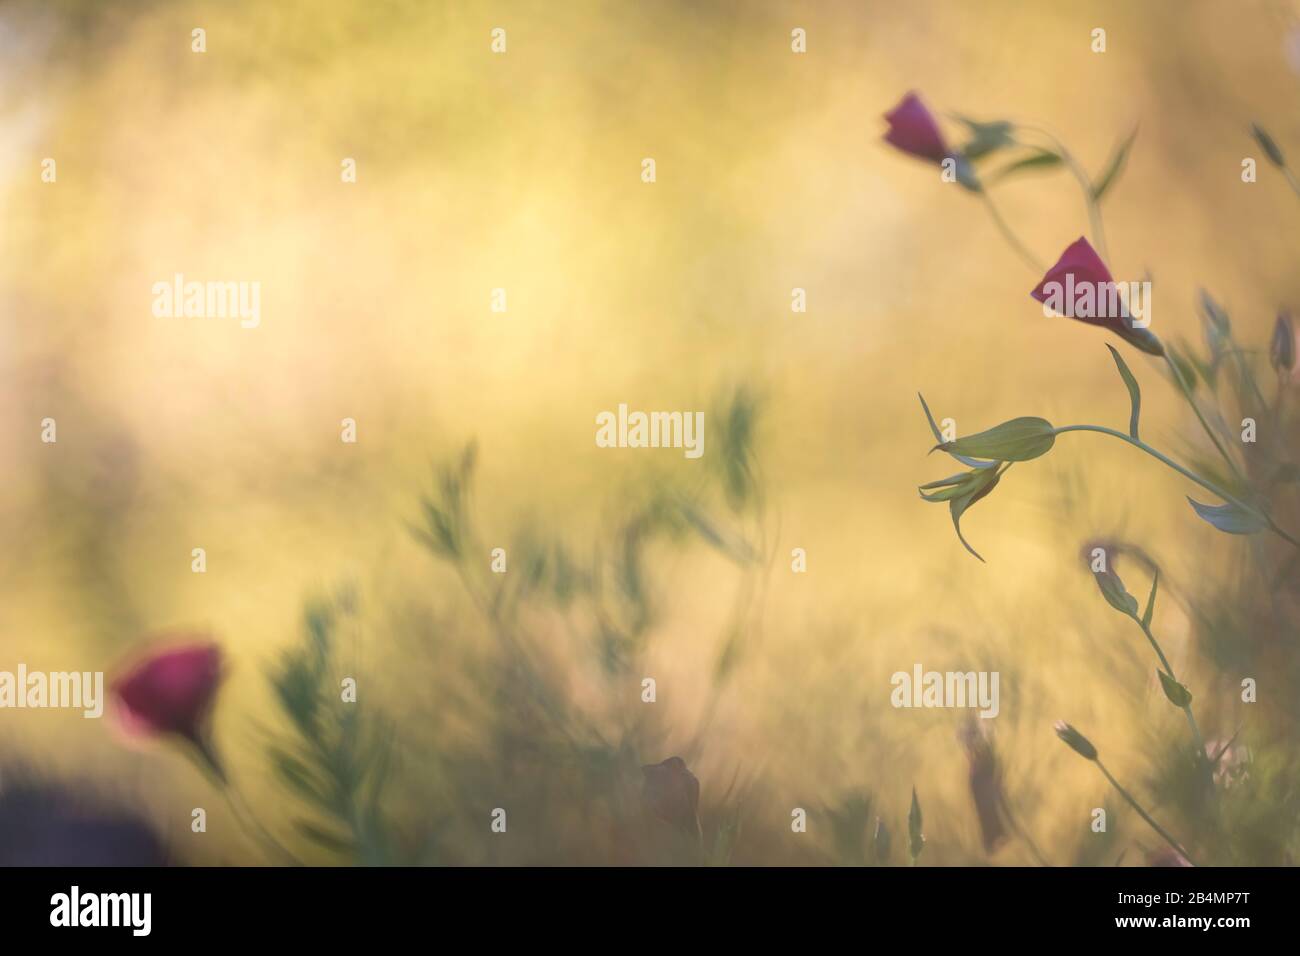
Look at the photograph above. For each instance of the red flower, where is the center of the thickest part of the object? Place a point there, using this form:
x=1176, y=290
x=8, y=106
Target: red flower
x=913, y=130
x=172, y=692
x=672, y=793
x=985, y=784
x=1080, y=287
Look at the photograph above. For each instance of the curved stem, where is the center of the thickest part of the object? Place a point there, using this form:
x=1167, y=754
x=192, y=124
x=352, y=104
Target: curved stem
x=1010, y=236
x=1136, y=443
x=1085, y=186
x=1189, y=475
x=1143, y=814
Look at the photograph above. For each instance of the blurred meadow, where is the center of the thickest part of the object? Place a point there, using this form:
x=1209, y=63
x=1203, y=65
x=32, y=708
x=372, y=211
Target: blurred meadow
x=521, y=171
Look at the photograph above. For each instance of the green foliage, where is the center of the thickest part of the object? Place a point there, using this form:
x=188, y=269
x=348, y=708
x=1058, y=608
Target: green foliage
x=1134, y=393
x=915, y=834
x=338, y=756
x=1020, y=439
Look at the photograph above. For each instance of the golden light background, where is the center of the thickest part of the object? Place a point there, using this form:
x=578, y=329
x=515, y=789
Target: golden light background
x=522, y=171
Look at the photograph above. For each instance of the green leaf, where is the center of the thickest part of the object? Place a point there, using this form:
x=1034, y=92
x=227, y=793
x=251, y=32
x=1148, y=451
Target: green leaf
x=1134, y=393
x=326, y=838
x=1019, y=439
x=1178, y=695
x=1116, y=595
x=1229, y=518
x=1218, y=327
x=960, y=505
x=915, y=838
x=1151, y=601
x=1113, y=168
x=1039, y=159
x=966, y=174
x=986, y=137
x=938, y=436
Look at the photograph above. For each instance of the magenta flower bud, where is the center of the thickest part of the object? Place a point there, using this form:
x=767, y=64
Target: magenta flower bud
x=1080, y=287
x=913, y=130
x=172, y=692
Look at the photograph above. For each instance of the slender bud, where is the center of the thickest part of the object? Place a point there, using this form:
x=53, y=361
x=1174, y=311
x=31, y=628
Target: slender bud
x=1269, y=146
x=1076, y=741
x=1282, y=349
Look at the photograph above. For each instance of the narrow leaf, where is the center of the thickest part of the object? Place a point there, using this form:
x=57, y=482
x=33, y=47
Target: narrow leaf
x=960, y=505
x=938, y=436
x=1019, y=439
x=1178, y=695
x=1041, y=159
x=1268, y=144
x=1116, y=595
x=1113, y=168
x=1134, y=393
x=986, y=137
x=1151, y=601
x=1229, y=518
x=322, y=836
x=915, y=838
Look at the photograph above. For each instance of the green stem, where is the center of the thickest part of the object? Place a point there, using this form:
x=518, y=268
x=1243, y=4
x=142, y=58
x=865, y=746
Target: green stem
x=1164, y=662
x=1187, y=393
x=1010, y=236
x=1143, y=814
x=1085, y=186
x=1190, y=476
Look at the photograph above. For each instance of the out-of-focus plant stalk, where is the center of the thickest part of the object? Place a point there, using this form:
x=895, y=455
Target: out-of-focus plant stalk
x=1128, y=798
x=1186, y=389
x=1085, y=186
x=1014, y=241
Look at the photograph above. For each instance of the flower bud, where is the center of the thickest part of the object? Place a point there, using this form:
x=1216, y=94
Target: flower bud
x=913, y=130
x=1076, y=741
x=1281, y=352
x=1268, y=145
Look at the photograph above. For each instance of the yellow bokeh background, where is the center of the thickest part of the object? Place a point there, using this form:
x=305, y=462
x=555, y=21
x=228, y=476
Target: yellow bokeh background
x=522, y=171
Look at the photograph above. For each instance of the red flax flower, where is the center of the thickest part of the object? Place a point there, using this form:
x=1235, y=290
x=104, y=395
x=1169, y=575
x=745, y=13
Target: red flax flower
x=172, y=692
x=1080, y=287
x=913, y=130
